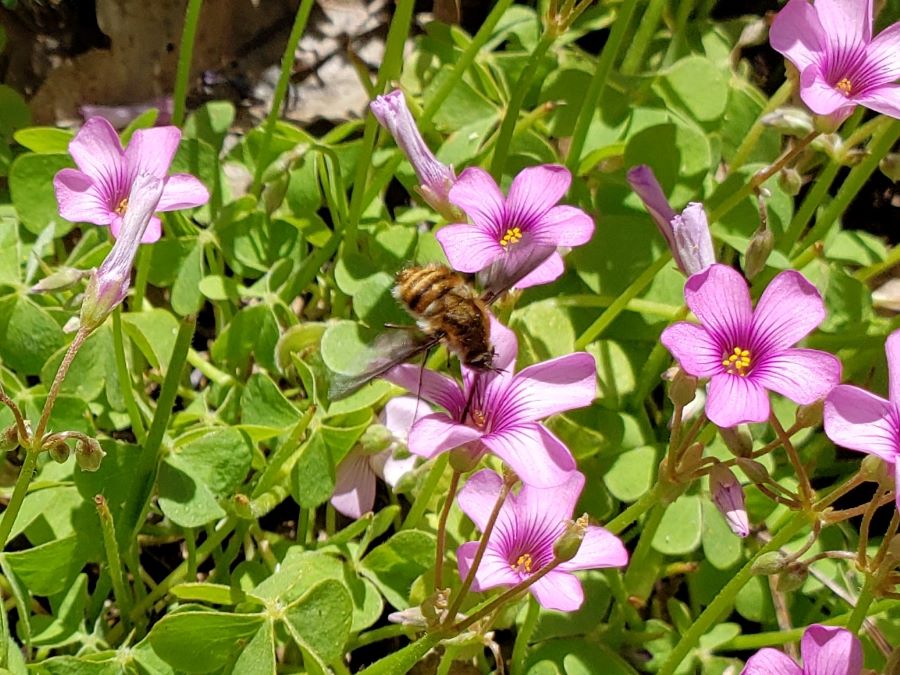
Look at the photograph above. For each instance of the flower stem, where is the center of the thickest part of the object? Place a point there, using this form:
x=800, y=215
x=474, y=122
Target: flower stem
x=21, y=428
x=725, y=598
x=18, y=495
x=442, y=532
x=634, y=57
x=893, y=526
x=125, y=382
x=601, y=73
x=635, y=511
x=750, y=140
x=861, y=608
x=113, y=560
x=805, y=487
x=424, y=497
x=523, y=637
x=61, y=372
x=185, y=56
x=872, y=506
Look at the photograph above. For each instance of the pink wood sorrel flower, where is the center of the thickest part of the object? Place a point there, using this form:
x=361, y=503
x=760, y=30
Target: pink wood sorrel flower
x=825, y=650
x=97, y=192
x=521, y=543
x=502, y=410
x=745, y=352
x=506, y=230
x=687, y=233
x=861, y=421
x=435, y=178
x=354, y=489
x=841, y=66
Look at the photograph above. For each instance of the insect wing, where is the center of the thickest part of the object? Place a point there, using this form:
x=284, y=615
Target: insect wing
x=516, y=264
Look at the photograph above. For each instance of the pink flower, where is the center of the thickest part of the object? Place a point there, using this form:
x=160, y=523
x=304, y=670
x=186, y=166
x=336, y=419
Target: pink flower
x=687, y=234
x=861, y=421
x=728, y=496
x=745, y=352
x=825, y=650
x=841, y=66
x=521, y=543
x=354, y=489
x=504, y=231
x=97, y=192
x=503, y=409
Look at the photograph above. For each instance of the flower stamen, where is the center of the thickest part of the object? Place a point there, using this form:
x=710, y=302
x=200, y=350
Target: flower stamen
x=738, y=362
x=512, y=235
x=122, y=206
x=845, y=86
x=479, y=418
x=523, y=563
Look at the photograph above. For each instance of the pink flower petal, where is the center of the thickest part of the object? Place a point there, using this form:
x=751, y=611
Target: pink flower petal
x=391, y=469
x=79, y=199
x=476, y=193
x=545, y=389
x=883, y=54
x=537, y=456
x=797, y=34
x=431, y=386
x=721, y=300
x=828, y=650
x=558, y=590
x=770, y=661
x=884, y=99
x=733, y=400
x=802, y=375
x=152, y=150
x=505, y=344
x=354, y=488
x=493, y=571
x=478, y=496
x=153, y=231
x=182, y=191
x=536, y=190
x=892, y=352
x=821, y=97
x=644, y=183
x=859, y=420
x=845, y=22
x=469, y=248
x=696, y=352
x=600, y=548
x=548, y=271
x=564, y=226
x=97, y=151
x=789, y=309
x=399, y=414
x=552, y=506
x=434, y=434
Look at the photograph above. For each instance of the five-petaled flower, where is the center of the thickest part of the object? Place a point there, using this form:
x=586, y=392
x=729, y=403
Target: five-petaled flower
x=859, y=420
x=841, y=66
x=97, y=192
x=825, y=650
x=528, y=525
x=745, y=352
x=526, y=224
x=499, y=411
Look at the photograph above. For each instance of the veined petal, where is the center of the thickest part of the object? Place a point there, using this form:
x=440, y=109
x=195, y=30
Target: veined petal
x=845, y=22
x=859, y=420
x=493, y=571
x=476, y=193
x=537, y=456
x=829, y=650
x=884, y=99
x=152, y=150
x=151, y=234
x=558, y=590
x=182, y=191
x=694, y=349
x=883, y=55
x=802, y=375
x=543, y=389
x=549, y=270
x=478, y=496
x=469, y=248
x=644, y=183
x=354, y=486
x=797, y=34
x=550, y=505
x=97, y=150
x=733, y=400
x=79, y=199
x=564, y=226
x=892, y=352
x=600, y=548
x=770, y=661
x=505, y=344
x=435, y=387
x=789, y=309
x=821, y=97
x=721, y=300
x=436, y=433
x=534, y=191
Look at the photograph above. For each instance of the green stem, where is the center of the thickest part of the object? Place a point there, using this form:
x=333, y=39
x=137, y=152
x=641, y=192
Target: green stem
x=640, y=559
x=635, y=511
x=113, y=560
x=185, y=56
x=442, y=531
x=18, y=495
x=403, y=660
x=612, y=312
x=125, y=382
x=685, y=7
x=861, y=609
x=284, y=79
x=749, y=143
x=377, y=635
x=601, y=72
x=523, y=637
x=420, y=505
x=725, y=598
x=634, y=57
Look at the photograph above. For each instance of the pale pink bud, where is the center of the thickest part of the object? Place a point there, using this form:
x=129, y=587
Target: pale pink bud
x=728, y=496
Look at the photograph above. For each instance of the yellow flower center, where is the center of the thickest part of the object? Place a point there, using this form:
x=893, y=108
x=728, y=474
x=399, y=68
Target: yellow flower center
x=523, y=563
x=845, y=86
x=512, y=235
x=738, y=362
x=479, y=418
x=122, y=206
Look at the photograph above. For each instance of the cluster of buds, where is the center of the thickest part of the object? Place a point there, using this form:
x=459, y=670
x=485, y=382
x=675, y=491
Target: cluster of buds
x=88, y=451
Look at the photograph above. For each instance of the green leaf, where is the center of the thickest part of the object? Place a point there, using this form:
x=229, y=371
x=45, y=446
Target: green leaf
x=14, y=111
x=576, y=657
x=184, y=499
x=218, y=594
x=44, y=140
x=322, y=617
x=186, y=296
x=397, y=563
x=680, y=156
x=31, y=189
x=680, y=529
x=28, y=335
x=722, y=548
x=258, y=657
x=203, y=642
x=154, y=333
x=62, y=627
x=263, y=404
x=87, y=374
x=678, y=86
x=632, y=472
x=50, y=568
x=312, y=479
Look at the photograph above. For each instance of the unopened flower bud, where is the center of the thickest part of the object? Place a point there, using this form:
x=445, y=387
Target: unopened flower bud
x=61, y=279
x=463, y=459
x=274, y=192
x=890, y=166
x=728, y=496
x=791, y=578
x=683, y=388
x=242, y=506
x=755, y=471
x=758, y=250
x=58, y=450
x=789, y=121
x=830, y=143
x=810, y=415
x=566, y=547
x=873, y=469
x=768, y=563
x=89, y=454
x=9, y=439
x=738, y=440
x=790, y=180
x=690, y=460
x=887, y=296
